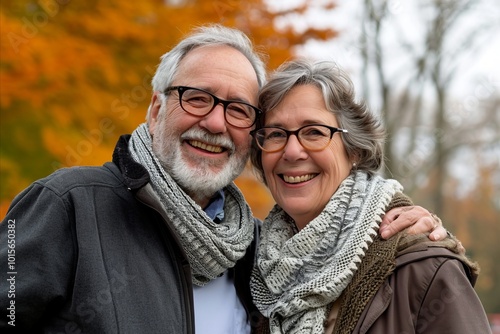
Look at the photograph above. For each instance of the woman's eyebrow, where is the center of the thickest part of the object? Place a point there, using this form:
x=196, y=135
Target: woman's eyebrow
x=305, y=122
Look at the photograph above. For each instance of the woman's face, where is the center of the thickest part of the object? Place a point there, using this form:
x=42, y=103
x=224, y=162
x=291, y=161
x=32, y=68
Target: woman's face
x=302, y=181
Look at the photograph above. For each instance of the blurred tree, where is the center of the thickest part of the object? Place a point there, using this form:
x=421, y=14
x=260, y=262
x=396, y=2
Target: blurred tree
x=74, y=75
x=475, y=222
x=431, y=132
x=426, y=126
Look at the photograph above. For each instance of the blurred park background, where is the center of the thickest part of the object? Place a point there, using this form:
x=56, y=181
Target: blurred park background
x=76, y=74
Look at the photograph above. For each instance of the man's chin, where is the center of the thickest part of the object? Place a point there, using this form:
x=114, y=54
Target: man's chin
x=206, y=181
x=201, y=176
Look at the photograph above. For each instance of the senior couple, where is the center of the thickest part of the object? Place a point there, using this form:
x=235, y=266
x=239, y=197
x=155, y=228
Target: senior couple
x=160, y=240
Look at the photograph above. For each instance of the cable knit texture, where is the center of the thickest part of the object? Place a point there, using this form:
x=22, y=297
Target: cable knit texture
x=299, y=274
x=211, y=248
x=379, y=264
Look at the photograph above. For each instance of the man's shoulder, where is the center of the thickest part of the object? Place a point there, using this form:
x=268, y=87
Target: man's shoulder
x=66, y=179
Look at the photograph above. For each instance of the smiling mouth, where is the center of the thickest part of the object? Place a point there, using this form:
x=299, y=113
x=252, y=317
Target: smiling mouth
x=297, y=179
x=206, y=147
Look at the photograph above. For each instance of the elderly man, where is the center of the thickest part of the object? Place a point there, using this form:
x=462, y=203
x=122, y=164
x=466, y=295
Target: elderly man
x=160, y=239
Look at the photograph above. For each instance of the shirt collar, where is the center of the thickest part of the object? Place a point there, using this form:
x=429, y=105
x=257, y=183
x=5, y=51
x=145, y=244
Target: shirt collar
x=215, y=208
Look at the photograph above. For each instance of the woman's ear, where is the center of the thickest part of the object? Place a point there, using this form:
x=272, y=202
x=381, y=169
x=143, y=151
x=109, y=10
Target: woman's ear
x=354, y=160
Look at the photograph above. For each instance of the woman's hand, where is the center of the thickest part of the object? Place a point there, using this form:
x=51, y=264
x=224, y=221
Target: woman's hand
x=419, y=218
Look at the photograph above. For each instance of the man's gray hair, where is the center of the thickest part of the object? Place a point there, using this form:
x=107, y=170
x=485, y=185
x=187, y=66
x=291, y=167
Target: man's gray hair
x=365, y=137
x=206, y=36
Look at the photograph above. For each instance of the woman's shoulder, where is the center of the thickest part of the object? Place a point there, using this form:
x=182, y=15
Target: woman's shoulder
x=418, y=250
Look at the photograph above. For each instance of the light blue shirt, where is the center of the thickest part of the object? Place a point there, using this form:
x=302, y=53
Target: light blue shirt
x=215, y=208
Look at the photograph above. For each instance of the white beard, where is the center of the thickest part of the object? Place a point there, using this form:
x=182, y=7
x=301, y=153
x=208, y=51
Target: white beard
x=197, y=177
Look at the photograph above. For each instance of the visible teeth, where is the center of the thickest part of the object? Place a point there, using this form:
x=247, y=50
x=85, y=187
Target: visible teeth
x=203, y=146
x=298, y=179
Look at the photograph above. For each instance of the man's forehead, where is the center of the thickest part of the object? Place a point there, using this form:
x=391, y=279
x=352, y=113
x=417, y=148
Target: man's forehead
x=223, y=57
x=219, y=69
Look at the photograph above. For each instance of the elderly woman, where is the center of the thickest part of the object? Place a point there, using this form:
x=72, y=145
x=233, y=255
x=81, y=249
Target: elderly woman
x=320, y=266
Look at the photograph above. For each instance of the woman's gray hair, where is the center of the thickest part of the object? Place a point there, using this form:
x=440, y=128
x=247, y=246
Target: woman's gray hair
x=365, y=137
x=208, y=35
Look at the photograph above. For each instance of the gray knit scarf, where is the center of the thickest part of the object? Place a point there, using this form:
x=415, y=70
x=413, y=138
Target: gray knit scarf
x=211, y=248
x=300, y=274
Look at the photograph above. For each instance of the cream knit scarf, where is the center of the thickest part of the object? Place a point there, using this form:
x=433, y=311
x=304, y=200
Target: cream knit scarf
x=299, y=274
x=211, y=248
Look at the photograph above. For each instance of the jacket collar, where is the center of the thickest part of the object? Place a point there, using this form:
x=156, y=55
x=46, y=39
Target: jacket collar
x=134, y=174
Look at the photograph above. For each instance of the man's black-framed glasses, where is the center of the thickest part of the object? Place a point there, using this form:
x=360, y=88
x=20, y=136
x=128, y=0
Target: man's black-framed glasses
x=313, y=137
x=198, y=102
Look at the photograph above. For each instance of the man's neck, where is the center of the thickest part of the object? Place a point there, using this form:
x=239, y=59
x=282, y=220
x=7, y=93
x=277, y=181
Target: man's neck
x=202, y=201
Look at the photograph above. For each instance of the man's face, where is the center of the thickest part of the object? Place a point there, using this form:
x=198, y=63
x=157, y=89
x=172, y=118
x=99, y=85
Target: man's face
x=204, y=154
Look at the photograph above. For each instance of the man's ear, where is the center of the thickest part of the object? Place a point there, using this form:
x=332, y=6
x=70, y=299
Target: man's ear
x=154, y=110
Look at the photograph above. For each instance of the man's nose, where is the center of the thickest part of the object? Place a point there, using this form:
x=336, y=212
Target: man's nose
x=215, y=121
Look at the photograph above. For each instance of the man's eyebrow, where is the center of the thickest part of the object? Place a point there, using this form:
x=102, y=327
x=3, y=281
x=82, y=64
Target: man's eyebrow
x=230, y=98
x=238, y=99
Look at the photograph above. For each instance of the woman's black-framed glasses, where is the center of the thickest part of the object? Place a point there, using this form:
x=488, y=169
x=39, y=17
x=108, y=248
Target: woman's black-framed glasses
x=313, y=137
x=198, y=102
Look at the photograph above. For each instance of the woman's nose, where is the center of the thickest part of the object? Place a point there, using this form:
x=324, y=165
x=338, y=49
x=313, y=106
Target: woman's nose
x=293, y=149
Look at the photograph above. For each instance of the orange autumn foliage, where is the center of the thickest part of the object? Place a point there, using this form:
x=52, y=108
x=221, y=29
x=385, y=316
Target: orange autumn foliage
x=74, y=75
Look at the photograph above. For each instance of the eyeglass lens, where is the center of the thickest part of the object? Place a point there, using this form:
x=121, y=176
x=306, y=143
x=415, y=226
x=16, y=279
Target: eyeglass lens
x=200, y=103
x=312, y=137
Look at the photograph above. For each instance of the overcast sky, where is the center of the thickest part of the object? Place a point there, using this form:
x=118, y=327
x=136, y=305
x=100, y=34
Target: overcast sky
x=479, y=65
